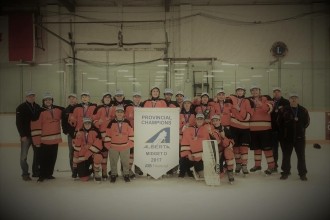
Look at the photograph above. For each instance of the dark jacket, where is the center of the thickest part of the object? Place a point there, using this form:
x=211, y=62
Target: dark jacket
x=25, y=113
x=291, y=130
x=278, y=105
x=66, y=127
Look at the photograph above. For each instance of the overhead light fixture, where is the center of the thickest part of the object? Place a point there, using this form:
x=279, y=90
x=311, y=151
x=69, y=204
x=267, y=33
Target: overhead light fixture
x=110, y=83
x=179, y=74
x=162, y=65
x=179, y=69
x=291, y=63
x=93, y=78
x=229, y=64
x=208, y=76
x=217, y=71
x=180, y=63
x=60, y=71
x=161, y=71
x=122, y=71
x=69, y=64
x=22, y=64
x=257, y=76
x=45, y=64
x=243, y=80
x=84, y=73
x=103, y=80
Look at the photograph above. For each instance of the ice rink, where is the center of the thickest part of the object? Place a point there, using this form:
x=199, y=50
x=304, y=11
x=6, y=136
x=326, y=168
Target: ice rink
x=253, y=197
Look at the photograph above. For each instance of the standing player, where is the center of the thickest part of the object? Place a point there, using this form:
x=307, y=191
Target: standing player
x=154, y=101
x=101, y=120
x=49, y=126
x=187, y=119
x=260, y=126
x=85, y=109
x=69, y=130
x=129, y=115
x=119, y=139
x=168, y=93
x=179, y=96
x=240, y=128
x=205, y=107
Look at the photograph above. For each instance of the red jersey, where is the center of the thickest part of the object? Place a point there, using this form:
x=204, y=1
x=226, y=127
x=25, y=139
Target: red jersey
x=223, y=108
x=102, y=117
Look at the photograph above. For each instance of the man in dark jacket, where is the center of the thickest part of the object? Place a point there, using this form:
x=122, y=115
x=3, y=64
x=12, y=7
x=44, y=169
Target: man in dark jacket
x=25, y=113
x=279, y=103
x=293, y=121
x=69, y=130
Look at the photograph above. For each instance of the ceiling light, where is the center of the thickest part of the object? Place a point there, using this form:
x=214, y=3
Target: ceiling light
x=217, y=71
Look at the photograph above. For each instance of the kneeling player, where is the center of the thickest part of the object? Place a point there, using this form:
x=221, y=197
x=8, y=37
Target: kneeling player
x=89, y=143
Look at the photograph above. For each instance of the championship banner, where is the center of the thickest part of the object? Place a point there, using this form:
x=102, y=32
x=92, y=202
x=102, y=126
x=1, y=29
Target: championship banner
x=156, y=139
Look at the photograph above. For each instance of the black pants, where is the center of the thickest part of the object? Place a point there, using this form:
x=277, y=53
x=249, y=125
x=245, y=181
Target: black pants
x=36, y=161
x=185, y=164
x=275, y=143
x=48, y=156
x=299, y=147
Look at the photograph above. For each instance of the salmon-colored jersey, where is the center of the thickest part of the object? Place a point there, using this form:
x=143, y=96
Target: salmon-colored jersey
x=47, y=129
x=87, y=142
x=81, y=111
x=219, y=135
x=186, y=120
x=129, y=113
x=261, y=118
x=157, y=103
x=223, y=108
x=192, y=141
x=102, y=117
x=240, y=118
x=119, y=135
x=206, y=110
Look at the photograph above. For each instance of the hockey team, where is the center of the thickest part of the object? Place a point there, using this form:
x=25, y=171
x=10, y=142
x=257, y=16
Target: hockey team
x=98, y=132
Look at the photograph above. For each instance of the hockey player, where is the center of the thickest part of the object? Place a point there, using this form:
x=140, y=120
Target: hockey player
x=88, y=143
x=47, y=135
x=187, y=119
x=179, y=96
x=279, y=103
x=85, y=109
x=293, y=121
x=205, y=107
x=129, y=115
x=119, y=139
x=25, y=113
x=69, y=130
x=168, y=93
x=225, y=146
x=192, y=144
x=154, y=101
x=101, y=120
x=260, y=127
x=223, y=107
x=240, y=128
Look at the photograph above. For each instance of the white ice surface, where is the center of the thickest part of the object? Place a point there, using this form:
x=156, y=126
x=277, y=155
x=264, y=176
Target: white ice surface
x=254, y=197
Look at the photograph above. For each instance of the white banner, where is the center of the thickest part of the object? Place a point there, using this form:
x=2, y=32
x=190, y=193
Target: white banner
x=156, y=139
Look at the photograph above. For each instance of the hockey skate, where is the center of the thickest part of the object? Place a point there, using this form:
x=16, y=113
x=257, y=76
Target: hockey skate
x=97, y=177
x=126, y=178
x=255, y=168
x=268, y=172
x=230, y=176
x=238, y=168
x=113, y=178
x=245, y=170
